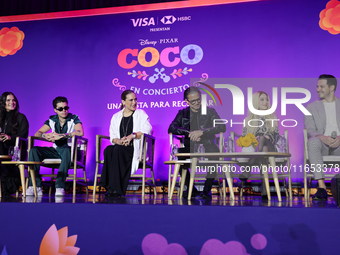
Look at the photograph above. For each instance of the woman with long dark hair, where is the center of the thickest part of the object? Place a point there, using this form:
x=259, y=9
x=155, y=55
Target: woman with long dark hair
x=122, y=157
x=12, y=124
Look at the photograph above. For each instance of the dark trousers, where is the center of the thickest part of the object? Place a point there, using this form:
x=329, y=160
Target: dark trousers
x=10, y=180
x=210, y=176
x=40, y=153
x=117, y=168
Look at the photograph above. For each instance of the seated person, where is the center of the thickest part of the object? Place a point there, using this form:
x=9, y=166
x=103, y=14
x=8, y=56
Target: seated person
x=63, y=125
x=197, y=128
x=121, y=159
x=13, y=124
x=323, y=129
x=264, y=131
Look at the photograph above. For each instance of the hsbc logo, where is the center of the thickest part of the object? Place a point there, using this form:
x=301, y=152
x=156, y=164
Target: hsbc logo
x=167, y=20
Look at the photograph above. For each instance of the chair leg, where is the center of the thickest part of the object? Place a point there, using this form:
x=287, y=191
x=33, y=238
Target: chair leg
x=230, y=183
x=284, y=185
x=224, y=189
x=305, y=184
x=290, y=185
x=169, y=180
x=266, y=181
x=241, y=190
x=219, y=186
x=85, y=180
x=192, y=176
x=143, y=183
x=22, y=177
x=95, y=180
x=153, y=181
x=276, y=180
x=309, y=186
x=184, y=174
x=173, y=183
x=34, y=183
x=74, y=181
x=50, y=189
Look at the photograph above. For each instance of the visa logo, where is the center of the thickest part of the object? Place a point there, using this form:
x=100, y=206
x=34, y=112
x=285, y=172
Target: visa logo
x=143, y=22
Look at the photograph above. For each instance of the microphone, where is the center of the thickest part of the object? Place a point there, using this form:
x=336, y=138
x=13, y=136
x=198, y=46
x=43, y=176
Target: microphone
x=333, y=135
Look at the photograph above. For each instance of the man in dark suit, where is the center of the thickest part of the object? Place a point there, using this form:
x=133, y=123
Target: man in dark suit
x=197, y=128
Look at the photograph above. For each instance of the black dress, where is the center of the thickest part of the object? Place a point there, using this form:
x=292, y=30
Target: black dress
x=118, y=161
x=10, y=180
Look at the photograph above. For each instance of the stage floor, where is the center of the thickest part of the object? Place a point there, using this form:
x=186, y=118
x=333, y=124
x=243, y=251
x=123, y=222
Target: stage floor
x=156, y=225
x=162, y=199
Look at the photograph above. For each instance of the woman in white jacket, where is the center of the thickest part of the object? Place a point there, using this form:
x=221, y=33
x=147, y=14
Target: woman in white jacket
x=122, y=157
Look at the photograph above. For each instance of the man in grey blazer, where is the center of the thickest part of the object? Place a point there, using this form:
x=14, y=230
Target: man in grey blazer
x=323, y=129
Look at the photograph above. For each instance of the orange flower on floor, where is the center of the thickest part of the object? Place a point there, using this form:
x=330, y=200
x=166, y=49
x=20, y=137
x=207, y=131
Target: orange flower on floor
x=56, y=242
x=330, y=17
x=11, y=40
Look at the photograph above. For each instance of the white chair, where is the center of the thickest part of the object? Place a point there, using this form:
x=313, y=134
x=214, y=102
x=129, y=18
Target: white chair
x=146, y=161
x=180, y=139
x=280, y=162
x=198, y=177
x=79, y=146
x=22, y=144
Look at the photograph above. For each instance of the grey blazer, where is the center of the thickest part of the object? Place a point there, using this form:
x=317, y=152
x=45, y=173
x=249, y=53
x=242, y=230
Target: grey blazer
x=316, y=123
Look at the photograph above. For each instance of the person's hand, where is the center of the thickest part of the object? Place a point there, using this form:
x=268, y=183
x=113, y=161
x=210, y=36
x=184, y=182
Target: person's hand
x=127, y=140
x=195, y=135
x=48, y=137
x=4, y=137
x=118, y=141
x=55, y=136
x=267, y=137
x=335, y=143
x=328, y=140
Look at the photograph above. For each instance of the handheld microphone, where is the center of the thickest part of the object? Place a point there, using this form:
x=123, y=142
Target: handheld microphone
x=333, y=135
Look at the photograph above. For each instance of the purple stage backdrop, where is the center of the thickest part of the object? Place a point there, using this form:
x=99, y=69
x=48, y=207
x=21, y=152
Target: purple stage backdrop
x=158, y=54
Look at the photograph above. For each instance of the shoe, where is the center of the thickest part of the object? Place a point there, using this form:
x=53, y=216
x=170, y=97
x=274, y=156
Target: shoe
x=264, y=197
x=30, y=191
x=321, y=194
x=194, y=193
x=244, y=177
x=205, y=195
x=59, y=192
x=110, y=194
x=59, y=199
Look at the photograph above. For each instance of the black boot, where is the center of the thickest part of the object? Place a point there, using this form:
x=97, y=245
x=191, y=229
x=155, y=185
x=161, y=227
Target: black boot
x=207, y=188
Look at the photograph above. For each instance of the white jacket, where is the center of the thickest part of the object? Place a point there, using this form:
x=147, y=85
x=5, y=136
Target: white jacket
x=140, y=124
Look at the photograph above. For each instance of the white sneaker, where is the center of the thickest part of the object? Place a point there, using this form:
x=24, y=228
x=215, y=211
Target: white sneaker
x=30, y=191
x=59, y=192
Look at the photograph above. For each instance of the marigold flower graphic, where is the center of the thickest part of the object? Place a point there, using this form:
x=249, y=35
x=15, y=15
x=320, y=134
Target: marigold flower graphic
x=11, y=40
x=330, y=17
x=56, y=242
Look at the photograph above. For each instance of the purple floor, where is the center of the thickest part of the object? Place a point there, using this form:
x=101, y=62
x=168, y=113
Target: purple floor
x=157, y=225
